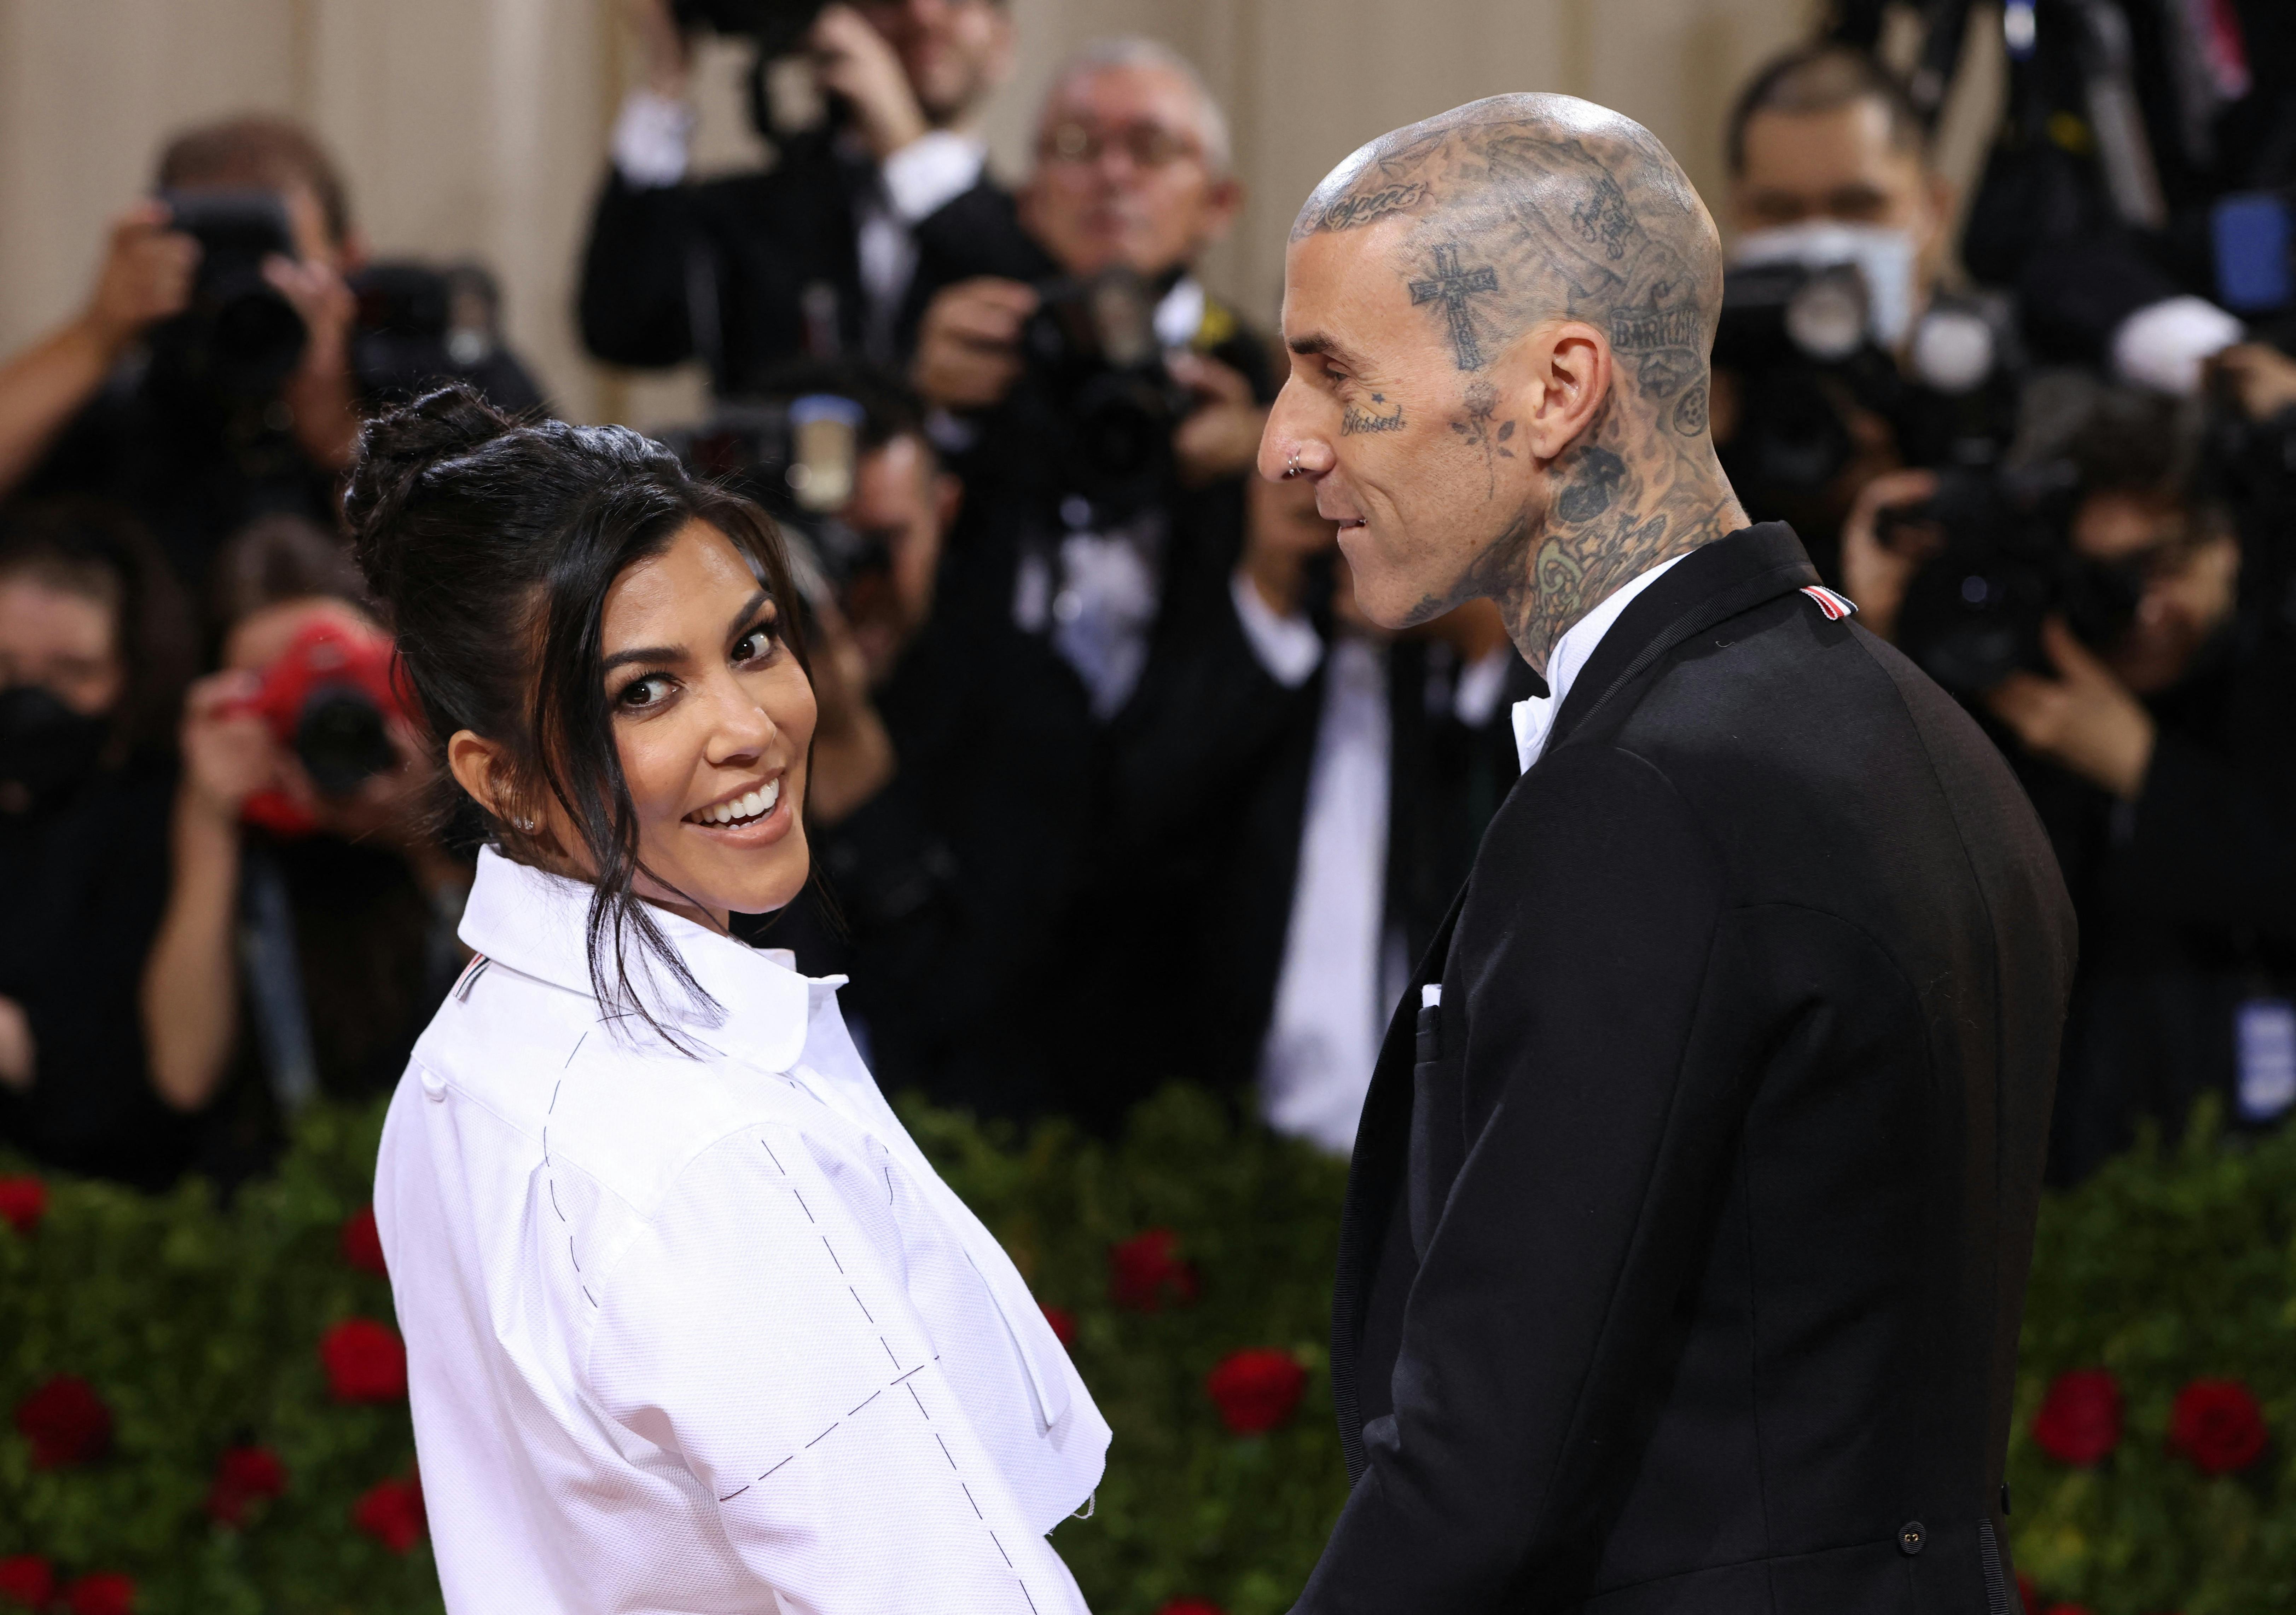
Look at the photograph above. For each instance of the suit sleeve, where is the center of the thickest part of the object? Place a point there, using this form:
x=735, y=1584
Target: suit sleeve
x=1536, y=1328
x=754, y=1330
x=633, y=298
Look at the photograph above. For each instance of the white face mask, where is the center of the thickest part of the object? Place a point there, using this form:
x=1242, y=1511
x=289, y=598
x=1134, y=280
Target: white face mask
x=1882, y=256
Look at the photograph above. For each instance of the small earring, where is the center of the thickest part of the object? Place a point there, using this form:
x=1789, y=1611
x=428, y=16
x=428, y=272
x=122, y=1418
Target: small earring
x=527, y=825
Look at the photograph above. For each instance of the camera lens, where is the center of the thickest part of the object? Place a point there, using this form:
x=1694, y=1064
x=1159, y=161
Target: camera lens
x=341, y=740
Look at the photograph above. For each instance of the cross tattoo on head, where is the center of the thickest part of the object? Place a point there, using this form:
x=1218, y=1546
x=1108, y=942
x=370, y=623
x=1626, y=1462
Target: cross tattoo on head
x=1454, y=286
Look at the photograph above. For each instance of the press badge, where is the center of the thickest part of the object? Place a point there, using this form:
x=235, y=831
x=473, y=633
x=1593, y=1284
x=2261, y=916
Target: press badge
x=2264, y=1036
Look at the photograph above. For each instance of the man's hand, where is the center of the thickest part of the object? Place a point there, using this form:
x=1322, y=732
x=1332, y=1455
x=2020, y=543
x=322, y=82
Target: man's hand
x=853, y=756
x=2084, y=718
x=19, y=1057
x=853, y=61
x=969, y=344
x=146, y=277
x=1876, y=574
x=228, y=753
x=1220, y=438
x=321, y=393
x=2260, y=376
x=662, y=45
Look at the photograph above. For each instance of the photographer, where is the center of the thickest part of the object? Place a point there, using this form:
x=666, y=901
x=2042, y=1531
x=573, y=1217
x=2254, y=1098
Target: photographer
x=217, y=371
x=309, y=928
x=95, y=645
x=814, y=257
x=1832, y=192
x=2149, y=715
x=948, y=799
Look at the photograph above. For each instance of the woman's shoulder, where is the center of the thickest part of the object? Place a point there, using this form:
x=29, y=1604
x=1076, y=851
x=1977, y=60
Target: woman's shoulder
x=610, y=1098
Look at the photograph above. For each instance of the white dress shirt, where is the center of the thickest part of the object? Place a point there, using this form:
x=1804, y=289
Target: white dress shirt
x=1342, y=963
x=1534, y=718
x=704, y=1332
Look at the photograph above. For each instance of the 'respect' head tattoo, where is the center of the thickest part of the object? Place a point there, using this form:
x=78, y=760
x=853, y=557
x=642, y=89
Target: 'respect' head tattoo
x=1524, y=208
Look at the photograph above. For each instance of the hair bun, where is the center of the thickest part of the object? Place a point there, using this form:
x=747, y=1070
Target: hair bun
x=395, y=449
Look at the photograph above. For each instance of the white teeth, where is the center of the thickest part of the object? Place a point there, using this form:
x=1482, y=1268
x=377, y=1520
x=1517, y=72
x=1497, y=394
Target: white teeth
x=753, y=805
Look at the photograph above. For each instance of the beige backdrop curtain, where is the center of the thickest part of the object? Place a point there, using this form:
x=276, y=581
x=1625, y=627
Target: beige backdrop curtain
x=476, y=128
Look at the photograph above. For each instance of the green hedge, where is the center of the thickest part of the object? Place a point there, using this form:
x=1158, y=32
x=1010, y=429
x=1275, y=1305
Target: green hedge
x=198, y=1329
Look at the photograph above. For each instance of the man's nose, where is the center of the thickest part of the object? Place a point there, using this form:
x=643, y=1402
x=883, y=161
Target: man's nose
x=1287, y=445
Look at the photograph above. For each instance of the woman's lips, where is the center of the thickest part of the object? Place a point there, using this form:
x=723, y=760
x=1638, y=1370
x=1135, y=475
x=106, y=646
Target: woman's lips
x=760, y=817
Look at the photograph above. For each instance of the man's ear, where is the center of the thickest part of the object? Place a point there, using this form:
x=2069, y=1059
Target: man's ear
x=1221, y=206
x=1570, y=380
x=948, y=501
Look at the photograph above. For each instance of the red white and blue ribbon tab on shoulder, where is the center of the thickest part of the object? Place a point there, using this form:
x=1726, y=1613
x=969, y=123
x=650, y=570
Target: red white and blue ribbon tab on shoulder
x=1836, y=606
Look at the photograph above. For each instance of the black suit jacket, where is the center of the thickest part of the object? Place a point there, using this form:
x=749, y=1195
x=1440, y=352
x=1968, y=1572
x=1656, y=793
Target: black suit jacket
x=720, y=269
x=1686, y=1240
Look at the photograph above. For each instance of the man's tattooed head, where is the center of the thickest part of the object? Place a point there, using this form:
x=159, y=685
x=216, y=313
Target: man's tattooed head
x=1525, y=208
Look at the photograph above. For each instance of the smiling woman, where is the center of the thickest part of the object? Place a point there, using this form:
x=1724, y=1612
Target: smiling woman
x=691, y=1322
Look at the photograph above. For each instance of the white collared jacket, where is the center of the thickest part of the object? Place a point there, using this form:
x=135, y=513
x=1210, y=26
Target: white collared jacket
x=704, y=1331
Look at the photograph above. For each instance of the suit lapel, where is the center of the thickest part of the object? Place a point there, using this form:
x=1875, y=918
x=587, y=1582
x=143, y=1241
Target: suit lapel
x=1711, y=585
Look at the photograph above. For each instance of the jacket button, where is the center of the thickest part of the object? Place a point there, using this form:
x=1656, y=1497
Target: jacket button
x=1911, y=1537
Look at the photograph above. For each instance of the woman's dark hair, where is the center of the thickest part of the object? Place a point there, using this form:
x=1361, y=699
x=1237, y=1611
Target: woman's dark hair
x=97, y=549
x=490, y=544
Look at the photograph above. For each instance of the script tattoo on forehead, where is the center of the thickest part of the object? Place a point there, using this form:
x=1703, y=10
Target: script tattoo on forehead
x=1349, y=211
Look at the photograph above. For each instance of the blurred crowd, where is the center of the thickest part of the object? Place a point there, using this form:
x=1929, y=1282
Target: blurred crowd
x=1112, y=783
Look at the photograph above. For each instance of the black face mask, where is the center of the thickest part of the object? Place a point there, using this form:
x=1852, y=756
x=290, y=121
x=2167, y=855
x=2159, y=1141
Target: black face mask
x=45, y=748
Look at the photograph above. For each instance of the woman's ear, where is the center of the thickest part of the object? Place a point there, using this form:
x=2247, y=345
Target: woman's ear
x=481, y=768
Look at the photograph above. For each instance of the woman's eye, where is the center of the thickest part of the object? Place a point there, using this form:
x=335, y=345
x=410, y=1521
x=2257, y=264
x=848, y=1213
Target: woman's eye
x=755, y=646
x=640, y=694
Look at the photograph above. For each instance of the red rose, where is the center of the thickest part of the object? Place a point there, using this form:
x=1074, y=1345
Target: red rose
x=2217, y=1425
x=1146, y=1269
x=65, y=1422
x=27, y=1579
x=1063, y=1325
x=24, y=1202
x=2079, y=1421
x=2029, y=1596
x=106, y=1593
x=391, y=1513
x=1192, y=1606
x=367, y=1361
x=1256, y=1388
x=363, y=1243
x=244, y=1476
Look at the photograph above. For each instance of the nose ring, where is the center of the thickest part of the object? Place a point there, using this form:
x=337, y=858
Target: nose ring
x=1292, y=469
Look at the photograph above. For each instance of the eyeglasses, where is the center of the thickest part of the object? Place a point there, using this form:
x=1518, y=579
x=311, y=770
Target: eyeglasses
x=1148, y=146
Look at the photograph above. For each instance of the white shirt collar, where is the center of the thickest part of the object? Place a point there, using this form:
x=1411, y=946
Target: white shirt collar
x=536, y=924
x=1181, y=313
x=1534, y=718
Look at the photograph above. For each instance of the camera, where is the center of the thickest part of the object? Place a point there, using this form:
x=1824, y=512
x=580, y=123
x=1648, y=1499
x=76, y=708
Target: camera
x=799, y=460
x=777, y=25
x=239, y=336
x=1096, y=409
x=416, y=325
x=1973, y=613
x=331, y=698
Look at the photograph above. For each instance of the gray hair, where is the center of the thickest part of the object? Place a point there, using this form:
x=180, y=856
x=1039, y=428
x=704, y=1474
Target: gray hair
x=1137, y=51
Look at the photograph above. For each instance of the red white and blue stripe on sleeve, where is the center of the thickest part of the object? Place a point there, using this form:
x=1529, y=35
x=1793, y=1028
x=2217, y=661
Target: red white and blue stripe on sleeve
x=1836, y=606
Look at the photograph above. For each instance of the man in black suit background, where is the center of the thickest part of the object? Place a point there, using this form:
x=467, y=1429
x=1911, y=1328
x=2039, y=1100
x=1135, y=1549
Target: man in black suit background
x=815, y=256
x=1688, y=1226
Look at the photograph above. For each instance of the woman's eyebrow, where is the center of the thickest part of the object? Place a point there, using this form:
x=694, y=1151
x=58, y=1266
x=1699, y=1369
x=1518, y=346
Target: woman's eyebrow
x=643, y=653
x=748, y=613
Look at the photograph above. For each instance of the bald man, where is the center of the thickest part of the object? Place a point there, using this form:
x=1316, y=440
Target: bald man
x=1688, y=1225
